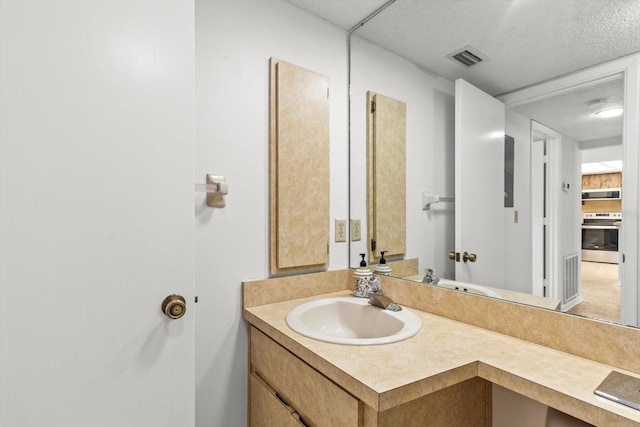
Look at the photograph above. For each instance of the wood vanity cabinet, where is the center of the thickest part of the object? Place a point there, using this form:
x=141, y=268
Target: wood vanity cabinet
x=316, y=400
x=285, y=391
x=267, y=410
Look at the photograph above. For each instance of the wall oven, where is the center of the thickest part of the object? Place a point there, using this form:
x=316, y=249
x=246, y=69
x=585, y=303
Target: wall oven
x=600, y=231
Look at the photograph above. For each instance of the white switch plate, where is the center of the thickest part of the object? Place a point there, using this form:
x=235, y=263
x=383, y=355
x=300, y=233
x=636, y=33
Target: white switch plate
x=356, y=231
x=341, y=230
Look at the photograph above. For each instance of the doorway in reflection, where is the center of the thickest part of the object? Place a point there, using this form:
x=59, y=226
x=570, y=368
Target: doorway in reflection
x=600, y=292
x=571, y=117
x=601, y=224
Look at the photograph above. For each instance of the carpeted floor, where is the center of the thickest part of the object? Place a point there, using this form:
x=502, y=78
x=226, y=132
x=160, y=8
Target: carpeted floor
x=600, y=291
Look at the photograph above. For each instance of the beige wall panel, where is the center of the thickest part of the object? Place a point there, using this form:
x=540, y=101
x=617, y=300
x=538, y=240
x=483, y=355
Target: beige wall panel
x=318, y=401
x=465, y=405
x=268, y=291
x=299, y=168
x=405, y=267
x=386, y=192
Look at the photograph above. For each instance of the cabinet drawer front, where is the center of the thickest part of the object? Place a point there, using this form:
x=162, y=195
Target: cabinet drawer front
x=267, y=410
x=318, y=401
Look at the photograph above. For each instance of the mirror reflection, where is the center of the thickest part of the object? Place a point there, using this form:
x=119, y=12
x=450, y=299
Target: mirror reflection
x=560, y=242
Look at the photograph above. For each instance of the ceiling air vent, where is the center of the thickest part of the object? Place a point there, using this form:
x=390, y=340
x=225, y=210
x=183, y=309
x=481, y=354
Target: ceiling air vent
x=467, y=56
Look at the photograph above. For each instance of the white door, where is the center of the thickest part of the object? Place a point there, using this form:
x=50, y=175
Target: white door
x=96, y=214
x=479, y=172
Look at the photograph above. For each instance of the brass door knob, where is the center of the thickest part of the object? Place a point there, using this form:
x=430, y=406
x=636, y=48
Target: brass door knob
x=454, y=256
x=174, y=306
x=469, y=257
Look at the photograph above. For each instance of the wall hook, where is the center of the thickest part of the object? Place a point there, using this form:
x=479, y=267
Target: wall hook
x=429, y=199
x=216, y=188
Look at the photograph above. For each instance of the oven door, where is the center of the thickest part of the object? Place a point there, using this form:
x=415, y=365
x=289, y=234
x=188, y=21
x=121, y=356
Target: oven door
x=600, y=243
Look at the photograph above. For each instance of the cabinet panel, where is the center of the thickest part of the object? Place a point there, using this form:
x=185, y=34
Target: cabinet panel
x=602, y=180
x=317, y=400
x=267, y=410
x=386, y=180
x=299, y=161
x=466, y=404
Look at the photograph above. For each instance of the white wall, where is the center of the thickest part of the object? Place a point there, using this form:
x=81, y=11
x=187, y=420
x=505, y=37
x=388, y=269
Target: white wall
x=234, y=41
x=602, y=150
x=430, y=149
x=568, y=166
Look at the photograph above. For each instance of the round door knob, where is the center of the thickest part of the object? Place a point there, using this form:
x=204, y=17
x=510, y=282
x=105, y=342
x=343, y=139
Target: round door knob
x=174, y=306
x=469, y=257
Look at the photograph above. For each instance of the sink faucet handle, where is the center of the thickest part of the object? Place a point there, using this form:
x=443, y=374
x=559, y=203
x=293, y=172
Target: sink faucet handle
x=384, y=302
x=374, y=285
x=429, y=276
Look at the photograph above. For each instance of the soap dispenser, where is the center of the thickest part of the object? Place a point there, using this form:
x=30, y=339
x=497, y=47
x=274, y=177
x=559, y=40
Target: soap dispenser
x=383, y=268
x=361, y=279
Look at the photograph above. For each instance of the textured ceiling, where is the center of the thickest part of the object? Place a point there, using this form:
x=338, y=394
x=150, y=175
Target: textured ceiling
x=344, y=13
x=573, y=113
x=525, y=42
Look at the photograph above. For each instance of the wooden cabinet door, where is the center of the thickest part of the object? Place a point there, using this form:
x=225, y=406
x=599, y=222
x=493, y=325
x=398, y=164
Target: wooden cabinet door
x=317, y=400
x=266, y=410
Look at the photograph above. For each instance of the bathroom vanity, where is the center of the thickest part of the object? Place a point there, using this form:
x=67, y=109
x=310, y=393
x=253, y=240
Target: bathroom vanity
x=441, y=376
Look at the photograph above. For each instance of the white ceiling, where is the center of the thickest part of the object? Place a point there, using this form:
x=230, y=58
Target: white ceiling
x=526, y=42
x=573, y=113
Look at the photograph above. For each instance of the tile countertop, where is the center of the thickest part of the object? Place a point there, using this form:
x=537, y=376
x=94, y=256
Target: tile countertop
x=446, y=352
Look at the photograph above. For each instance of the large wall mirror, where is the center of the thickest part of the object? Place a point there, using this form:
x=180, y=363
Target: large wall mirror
x=574, y=174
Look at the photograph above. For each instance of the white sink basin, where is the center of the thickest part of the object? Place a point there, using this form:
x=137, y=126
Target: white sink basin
x=353, y=321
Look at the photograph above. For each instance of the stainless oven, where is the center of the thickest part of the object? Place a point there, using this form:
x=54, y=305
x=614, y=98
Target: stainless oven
x=600, y=232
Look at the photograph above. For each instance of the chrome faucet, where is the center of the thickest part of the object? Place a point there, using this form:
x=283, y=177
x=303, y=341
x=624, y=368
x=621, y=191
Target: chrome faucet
x=384, y=302
x=429, y=277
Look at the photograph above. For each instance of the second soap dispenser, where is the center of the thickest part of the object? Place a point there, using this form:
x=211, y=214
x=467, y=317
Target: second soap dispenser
x=361, y=279
x=383, y=268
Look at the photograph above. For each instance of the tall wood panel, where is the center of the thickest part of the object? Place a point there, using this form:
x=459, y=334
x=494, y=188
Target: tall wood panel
x=386, y=175
x=299, y=151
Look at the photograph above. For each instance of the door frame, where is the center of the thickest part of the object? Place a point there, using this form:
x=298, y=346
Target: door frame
x=629, y=67
x=548, y=277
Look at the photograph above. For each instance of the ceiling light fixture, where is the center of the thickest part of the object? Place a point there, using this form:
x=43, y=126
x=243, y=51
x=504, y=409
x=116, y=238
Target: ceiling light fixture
x=610, y=112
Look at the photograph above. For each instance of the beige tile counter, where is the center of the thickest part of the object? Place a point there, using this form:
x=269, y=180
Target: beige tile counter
x=446, y=352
